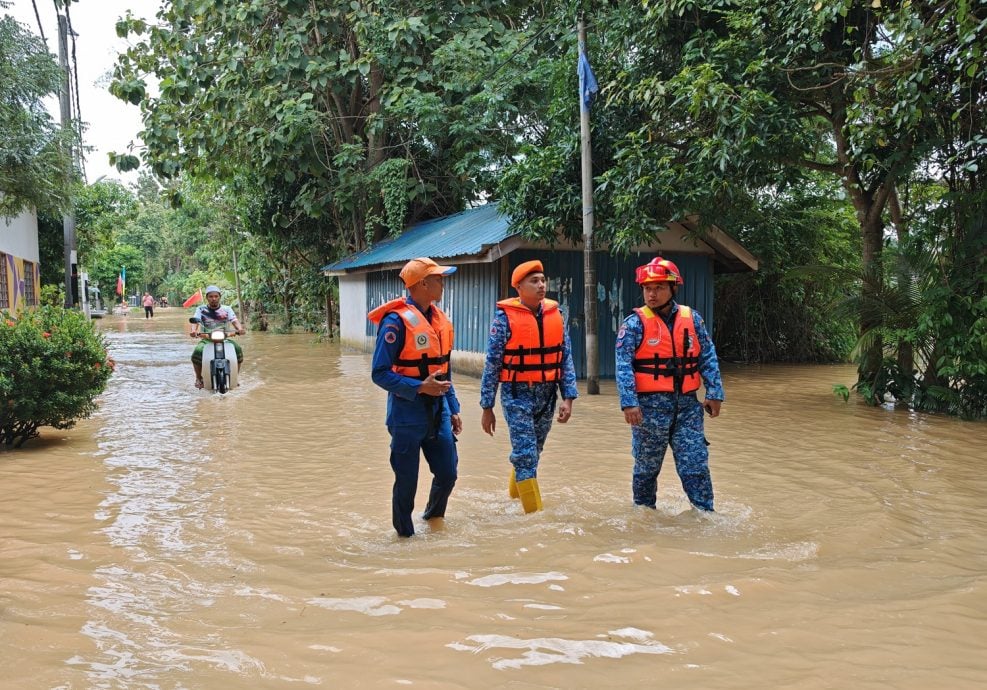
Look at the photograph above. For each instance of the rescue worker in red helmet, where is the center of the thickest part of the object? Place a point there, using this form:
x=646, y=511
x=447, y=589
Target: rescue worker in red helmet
x=411, y=362
x=530, y=357
x=663, y=353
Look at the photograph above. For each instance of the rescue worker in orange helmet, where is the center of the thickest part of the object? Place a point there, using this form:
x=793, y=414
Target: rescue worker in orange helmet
x=529, y=356
x=411, y=362
x=663, y=351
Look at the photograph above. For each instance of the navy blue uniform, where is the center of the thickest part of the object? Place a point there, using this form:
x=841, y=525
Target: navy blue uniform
x=528, y=409
x=416, y=423
x=669, y=418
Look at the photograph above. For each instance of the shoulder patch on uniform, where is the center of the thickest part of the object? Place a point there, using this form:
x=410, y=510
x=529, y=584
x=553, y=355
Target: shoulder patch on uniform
x=622, y=332
x=391, y=336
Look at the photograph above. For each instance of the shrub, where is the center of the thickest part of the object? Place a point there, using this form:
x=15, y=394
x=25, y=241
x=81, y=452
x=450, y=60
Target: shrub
x=53, y=364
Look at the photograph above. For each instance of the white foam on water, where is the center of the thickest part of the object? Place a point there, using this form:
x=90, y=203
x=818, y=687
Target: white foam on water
x=262, y=593
x=371, y=606
x=423, y=603
x=632, y=634
x=611, y=558
x=516, y=579
x=794, y=553
x=542, y=651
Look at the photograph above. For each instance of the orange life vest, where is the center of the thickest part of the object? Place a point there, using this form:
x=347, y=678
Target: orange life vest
x=533, y=353
x=667, y=362
x=427, y=344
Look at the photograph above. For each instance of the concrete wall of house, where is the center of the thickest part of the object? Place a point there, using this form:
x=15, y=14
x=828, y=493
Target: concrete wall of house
x=353, y=310
x=474, y=289
x=20, y=274
x=19, y=236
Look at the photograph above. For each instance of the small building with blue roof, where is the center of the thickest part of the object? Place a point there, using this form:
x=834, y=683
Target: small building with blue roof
x=481, y=243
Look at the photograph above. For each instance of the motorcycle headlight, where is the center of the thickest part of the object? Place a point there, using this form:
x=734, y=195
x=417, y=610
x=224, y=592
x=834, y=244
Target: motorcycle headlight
x=216, y=336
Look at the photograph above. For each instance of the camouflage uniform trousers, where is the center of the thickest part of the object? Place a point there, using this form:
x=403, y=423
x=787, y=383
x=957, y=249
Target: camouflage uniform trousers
x=528, y=411
x=650, y=439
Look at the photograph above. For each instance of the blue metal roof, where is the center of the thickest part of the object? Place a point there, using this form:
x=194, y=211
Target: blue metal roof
x=467, y=233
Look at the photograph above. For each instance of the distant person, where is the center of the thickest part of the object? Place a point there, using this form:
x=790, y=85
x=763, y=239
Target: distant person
x=529, y=355
x=124, y=308
x=148, y=303
x=164, y=302
x=209, y=317
x=411, y=362
x=663, y=349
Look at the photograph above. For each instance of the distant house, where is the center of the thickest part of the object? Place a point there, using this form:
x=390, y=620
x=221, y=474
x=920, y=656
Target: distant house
x=484, y=248
x=20, y=279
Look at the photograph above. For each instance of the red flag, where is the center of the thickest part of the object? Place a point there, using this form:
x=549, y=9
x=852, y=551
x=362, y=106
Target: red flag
x=194, y=299
x=120, y=285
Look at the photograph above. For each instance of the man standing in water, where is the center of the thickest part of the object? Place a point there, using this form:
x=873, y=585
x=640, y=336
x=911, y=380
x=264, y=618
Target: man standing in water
x=411, y=362
x=148, y=303
x=528, y=352
x=663, y=349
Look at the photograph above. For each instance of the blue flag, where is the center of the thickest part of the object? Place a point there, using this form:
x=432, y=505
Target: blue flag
x=588, y=87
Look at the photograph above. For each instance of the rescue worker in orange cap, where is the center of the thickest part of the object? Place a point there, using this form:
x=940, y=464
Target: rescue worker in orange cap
x=663, y=350
x=411, y=362
x=529, y=356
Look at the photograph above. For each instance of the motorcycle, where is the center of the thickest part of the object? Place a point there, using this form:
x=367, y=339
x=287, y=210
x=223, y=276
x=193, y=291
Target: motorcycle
x=223, y=370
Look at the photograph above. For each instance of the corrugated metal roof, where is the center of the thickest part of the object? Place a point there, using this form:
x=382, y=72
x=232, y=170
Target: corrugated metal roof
x=468, y=233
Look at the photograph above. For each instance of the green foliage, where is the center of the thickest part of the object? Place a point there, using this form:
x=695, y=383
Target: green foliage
x=312, y=115
x=34, y=166
x=722, y=109
x=105, y=266
x=807, y=251
x=102, y=209
x=51, y=296
x=53, y=365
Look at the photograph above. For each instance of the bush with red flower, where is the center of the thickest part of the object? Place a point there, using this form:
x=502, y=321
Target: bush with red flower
x=53, y=365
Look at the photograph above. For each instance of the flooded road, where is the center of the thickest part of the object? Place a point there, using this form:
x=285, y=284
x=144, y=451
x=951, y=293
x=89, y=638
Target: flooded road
x=180, y=539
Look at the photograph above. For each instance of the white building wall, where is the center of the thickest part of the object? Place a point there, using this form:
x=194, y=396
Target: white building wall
x=19, y=236
x=353, y=312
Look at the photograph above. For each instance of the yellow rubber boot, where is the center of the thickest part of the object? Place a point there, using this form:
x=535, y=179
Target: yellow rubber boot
x=512, y=486
x=530, y=495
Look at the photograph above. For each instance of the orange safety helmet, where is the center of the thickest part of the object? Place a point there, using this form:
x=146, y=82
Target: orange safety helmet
x=658, y=270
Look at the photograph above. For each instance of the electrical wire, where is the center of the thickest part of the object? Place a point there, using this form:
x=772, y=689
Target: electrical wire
x=75, y=78
x=37, y=15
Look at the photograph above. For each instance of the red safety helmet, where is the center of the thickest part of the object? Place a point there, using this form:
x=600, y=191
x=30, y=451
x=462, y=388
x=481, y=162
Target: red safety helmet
x=658, y=270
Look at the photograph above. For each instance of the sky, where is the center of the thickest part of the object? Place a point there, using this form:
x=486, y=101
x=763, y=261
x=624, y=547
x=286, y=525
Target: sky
x=111, y=124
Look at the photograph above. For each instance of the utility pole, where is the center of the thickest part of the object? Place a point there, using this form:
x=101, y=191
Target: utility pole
x=68, y=218
x=589, y=259
x=236, y=275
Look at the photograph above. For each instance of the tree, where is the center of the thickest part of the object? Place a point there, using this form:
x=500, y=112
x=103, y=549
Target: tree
x=854, y=90
x=34, y=164
x=710, y=106
x=350, y=118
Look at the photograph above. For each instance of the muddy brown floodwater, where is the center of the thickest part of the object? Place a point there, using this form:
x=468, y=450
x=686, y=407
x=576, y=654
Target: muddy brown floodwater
x=179, y=539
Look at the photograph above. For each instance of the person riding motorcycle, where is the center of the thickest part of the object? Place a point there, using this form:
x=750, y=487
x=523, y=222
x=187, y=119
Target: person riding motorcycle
x=210, y=317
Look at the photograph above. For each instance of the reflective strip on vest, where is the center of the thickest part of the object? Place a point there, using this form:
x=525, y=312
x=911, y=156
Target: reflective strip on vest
x=667, y=362
x=533, y=353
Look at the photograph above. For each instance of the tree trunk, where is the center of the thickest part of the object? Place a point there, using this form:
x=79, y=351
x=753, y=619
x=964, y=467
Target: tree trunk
x=906, y=353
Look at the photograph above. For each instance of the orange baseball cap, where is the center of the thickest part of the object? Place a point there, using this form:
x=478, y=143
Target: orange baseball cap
x=416, y=269
x=524, y=270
